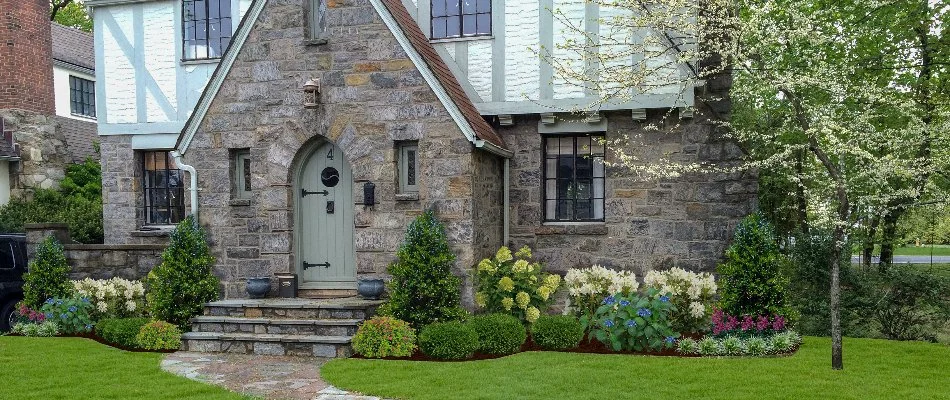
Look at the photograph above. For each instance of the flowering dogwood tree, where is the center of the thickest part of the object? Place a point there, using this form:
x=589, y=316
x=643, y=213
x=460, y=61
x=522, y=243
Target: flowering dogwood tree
x=846, y=99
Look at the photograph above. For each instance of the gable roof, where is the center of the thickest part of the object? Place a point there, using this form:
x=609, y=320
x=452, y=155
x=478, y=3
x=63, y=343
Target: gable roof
x=421, y=44
x=73, y=47
x=414, y=43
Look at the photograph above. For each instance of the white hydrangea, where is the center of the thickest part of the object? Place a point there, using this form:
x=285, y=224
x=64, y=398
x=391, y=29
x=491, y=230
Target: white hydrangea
x=599, y=281
x=102, y=306
x=130, y=305
x=697, y=309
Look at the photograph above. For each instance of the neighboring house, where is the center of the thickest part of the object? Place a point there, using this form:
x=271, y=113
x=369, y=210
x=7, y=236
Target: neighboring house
x=419, y=106
x=39, y=137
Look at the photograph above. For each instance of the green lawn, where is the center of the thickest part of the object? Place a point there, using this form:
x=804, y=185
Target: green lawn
x=74, y=368
x=923, y=250
x=874, y=369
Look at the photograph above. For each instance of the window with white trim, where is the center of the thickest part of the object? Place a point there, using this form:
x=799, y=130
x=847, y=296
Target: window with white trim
x=408, y=158
x=82, y=97
x=573, y=176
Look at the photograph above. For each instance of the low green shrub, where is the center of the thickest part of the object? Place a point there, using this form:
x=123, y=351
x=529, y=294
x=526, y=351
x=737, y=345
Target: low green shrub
x=72, y=314
x=120, y=331
x=733, y=346
x=448, y=340
x=498, y=333
x=557, y=332
x=709, y=346
x=159, y=335
x=687, y=346
x=756, y=346
x=44, y=329
x=384, y=337
x=909, y=304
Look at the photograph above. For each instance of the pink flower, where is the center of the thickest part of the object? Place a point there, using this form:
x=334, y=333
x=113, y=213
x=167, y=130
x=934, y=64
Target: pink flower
x=778, y=324
x=732, y=323
x=762, y=323
x=747, y=322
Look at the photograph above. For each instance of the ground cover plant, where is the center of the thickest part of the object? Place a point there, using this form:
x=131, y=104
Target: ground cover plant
x=879, y=369
x=76, y=368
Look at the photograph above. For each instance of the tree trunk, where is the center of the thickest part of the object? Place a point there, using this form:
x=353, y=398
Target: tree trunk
x=844, y=213
x=800, y=201
x=868, y=247
x=888, y=233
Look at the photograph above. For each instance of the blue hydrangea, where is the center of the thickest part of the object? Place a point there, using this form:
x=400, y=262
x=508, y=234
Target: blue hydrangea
x=631, y=323
x=85, y=300
x=664, y=298
x=609, y=300
x=644, y=312
x=59, y=302
x=624, y=303
x=609, y=323
x=63, y=316
x=670, y=339
x=49, y=301
x=49, y=315
x=72, y=308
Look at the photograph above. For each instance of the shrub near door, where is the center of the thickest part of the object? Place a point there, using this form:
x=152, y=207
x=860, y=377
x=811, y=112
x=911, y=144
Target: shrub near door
x=448, y=340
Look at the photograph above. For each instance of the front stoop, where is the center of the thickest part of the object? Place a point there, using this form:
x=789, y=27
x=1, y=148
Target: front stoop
x=294, y=327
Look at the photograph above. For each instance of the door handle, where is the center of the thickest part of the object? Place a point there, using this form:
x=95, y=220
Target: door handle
x=330, y=207
x=309, y=265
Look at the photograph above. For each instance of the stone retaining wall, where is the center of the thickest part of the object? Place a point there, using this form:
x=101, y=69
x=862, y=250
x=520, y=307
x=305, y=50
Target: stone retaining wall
x=98, y=261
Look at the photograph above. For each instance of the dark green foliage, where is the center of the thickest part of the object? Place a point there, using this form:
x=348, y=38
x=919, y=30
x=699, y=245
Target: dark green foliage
x=423, y=289
x=78, y=203
x=448, y=340
x=498, y=333
x=750, y=280
x=810, y=285
x=909, y=305
x=183, y=282
x=557, y=332
x=121, y=331
x=48, y=275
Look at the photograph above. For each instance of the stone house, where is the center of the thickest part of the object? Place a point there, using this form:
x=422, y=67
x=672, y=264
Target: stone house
x=307, y=134
x=47, y=100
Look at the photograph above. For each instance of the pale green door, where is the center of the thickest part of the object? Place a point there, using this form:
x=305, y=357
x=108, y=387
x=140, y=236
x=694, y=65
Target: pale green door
x=325, y=199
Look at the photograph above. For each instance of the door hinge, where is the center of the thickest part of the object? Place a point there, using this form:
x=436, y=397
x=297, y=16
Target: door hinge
x=305, y=192
x=309, y=265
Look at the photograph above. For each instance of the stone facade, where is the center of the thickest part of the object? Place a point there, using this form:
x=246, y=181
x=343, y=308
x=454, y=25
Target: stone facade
x=685, y=222
x=372, y=98
x=44, y=153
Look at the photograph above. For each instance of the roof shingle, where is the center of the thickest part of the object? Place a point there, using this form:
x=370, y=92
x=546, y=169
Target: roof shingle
x=73, y=46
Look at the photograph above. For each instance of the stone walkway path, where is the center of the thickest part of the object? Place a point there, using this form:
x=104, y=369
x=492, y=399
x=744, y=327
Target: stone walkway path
x=270, y=377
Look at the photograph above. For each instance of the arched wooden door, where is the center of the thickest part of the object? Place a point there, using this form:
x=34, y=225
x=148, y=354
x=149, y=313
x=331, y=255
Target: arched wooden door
x=325, y=231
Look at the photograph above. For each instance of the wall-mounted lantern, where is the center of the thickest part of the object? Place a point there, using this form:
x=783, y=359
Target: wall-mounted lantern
x=369, y=194
x=311, y=93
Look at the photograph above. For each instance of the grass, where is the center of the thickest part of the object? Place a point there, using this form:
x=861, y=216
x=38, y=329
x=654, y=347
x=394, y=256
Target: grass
x=874, y=369
x=923, y=250
x=75, y=368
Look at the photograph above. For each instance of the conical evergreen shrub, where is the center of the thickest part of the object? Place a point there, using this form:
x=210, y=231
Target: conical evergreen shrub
x=423, y=289
x=48, y=275
x=183, y=282
x=751, y=280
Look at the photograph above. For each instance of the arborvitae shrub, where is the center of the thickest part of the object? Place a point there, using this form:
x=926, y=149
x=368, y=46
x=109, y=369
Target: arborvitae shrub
x=751, y=280
x=48, y=275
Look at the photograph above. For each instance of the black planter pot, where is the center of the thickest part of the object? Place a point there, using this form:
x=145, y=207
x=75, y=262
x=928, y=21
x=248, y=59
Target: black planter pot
x=257, y=288
x=370, y=288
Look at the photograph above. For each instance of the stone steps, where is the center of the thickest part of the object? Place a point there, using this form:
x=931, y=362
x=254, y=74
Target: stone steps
x=318, y=327
x=267, y=344
x=296, y=327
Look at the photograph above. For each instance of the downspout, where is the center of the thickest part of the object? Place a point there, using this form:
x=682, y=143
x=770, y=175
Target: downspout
x=504, y=215
x=193, y=174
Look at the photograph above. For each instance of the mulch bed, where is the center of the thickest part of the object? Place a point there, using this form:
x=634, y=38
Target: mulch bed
x=93, y=336
x=586, y=346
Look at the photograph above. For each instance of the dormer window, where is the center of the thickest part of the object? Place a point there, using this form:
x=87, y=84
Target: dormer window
x=206, y=26
x=460, y=18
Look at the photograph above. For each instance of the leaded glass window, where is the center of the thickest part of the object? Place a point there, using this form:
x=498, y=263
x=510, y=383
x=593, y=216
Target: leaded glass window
x=163, y=188
x=206, y=26
x=573, y=178
x=408, y=167
x=460, y=18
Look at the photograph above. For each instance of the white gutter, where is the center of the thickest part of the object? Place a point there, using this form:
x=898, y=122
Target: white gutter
x=193, y=174
x=504, y=214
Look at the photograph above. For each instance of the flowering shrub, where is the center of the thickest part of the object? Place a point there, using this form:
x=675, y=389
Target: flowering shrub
x=635, y=322
x=72, y=315
x=510, y=284
x=44, y=329
x=159, y=335
x=27, y=314
x=709, y=346
x=587, y=287
x=113, y=298
x=384, y=337
x=725, y=324
x=692, y=294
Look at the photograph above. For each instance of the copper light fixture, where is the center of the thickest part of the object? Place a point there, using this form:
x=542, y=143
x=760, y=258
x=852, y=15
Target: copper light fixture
x=311, y=93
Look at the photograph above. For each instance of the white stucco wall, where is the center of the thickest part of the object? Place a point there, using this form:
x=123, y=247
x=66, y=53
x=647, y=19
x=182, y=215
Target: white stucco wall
x=4, y=182
x=145, y=86
x=61, y=90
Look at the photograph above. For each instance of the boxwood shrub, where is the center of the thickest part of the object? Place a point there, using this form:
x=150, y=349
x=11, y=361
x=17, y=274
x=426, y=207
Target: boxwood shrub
x=557, y=332
x=498, y=333
x=448, y=340
x=121, y=331
x=159, y=335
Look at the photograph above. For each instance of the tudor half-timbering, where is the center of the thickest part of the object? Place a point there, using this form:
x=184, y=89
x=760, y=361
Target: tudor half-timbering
x=328, y=125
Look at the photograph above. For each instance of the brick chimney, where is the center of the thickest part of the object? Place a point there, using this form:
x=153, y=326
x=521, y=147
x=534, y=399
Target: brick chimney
x=26, y=57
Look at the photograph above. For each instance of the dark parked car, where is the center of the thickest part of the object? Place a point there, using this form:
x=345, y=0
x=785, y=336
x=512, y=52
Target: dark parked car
x=12, y=266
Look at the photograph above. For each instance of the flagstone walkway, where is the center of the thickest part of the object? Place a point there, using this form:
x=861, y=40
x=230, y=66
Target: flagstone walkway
x=270, y=377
